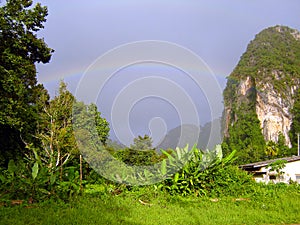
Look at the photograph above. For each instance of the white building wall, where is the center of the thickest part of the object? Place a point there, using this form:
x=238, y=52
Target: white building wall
x=291, y=172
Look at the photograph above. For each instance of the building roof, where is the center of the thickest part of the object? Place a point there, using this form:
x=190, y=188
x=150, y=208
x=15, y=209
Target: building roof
x=267, y=162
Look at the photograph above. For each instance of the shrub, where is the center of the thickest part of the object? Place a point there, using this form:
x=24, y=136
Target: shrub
x=207, y=174
x=34, y=182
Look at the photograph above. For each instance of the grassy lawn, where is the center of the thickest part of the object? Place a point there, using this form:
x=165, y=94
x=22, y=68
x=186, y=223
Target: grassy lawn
x=126, y=208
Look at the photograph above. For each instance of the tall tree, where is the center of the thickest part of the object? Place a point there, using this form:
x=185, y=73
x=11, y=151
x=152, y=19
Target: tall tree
x=55, y=133
x=20, y=49
x=284, y=150
x=58, y=145
x=142, y=143
x=87, y=117
x=295, y=127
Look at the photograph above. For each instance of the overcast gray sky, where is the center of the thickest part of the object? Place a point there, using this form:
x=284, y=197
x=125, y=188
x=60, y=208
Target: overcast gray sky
x=218, y=31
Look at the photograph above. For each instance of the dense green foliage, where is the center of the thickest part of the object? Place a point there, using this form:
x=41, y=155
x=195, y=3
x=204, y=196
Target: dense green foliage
x=140, y=153
x=295, y=127
x=34, y=182
x=19, y=92
x=89, y=118
x=245, y=134
x=137, y=157
x=272, y=58
x=51, y=169
x=278, y=166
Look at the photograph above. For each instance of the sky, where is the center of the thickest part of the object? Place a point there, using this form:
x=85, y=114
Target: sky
x=217, y=31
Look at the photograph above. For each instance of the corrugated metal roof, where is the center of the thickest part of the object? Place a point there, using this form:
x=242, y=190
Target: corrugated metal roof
x=267, y=162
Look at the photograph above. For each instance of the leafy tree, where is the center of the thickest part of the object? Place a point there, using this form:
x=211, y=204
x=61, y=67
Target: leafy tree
x=91, y=132
x=295, y=127
x=142, y=143
x=272, y=149
x=283, y=149
x=55, y=133
x=20, y=49
x=87, y=117
x=140, y=152
x=102, y=126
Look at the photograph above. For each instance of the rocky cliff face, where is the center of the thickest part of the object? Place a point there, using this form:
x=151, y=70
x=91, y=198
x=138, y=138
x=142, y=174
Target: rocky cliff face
x=272, y=109
x=269, y=71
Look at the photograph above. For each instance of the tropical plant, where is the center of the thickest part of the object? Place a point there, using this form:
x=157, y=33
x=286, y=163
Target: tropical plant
x=272, y=149
x=208, y=174
x=33, y=181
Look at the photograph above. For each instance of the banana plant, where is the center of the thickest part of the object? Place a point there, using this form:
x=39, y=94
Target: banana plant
x=195, y=176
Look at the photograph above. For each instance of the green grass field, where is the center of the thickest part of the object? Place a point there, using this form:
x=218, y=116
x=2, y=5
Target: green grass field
x=158, y=208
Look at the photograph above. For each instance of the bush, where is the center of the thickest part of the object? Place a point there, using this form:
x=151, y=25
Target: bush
x=35, y=183
x=217, y=178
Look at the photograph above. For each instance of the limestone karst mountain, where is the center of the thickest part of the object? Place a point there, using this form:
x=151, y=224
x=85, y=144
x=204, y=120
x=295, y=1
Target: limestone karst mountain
x=265, y=84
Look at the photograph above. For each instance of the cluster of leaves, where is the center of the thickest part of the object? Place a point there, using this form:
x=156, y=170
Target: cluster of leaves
x=186, y=171
x=208, y=174
x=35, y=132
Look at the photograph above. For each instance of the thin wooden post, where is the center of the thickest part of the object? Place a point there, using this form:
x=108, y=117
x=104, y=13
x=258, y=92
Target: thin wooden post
x=80, y=171
x=298, y=144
